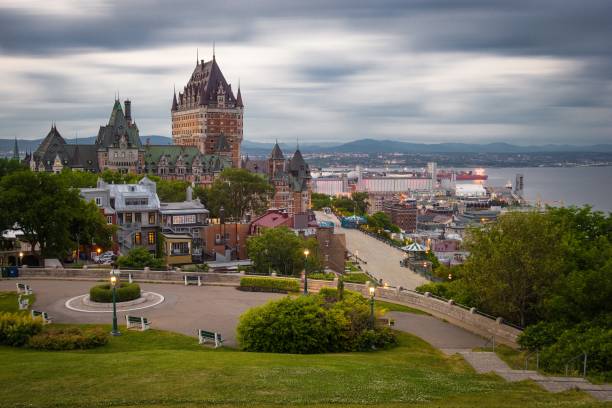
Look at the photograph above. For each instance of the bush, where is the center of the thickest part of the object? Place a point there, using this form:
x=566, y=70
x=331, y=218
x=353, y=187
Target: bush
x=312, y=324
x=68, y=338
x=196, y=268
x=356, y=278
x=262, y=284
x=322, y=276
x=140, y=257
x=16, y=328
x=125, y=292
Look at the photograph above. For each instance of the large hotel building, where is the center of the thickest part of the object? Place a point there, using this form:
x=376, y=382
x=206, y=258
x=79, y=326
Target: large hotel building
x=206, y=114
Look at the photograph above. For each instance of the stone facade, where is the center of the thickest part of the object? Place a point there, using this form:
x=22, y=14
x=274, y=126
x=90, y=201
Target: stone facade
x=291, y=180
x=207, y=115
x=403, y=214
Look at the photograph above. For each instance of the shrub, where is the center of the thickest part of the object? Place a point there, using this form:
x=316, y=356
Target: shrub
x=139, y=257
x=312, y=324
x=263, y=284
x=16, y=328
x=356, y=278
x=68, y=338
x=322, y=276
x=124, y=292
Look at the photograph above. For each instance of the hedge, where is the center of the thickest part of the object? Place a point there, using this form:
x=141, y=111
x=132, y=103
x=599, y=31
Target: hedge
x=322, y=276
x=356, y=278
x=264, y=284
x=69, y=338
x=104, y=293
x=16, y=328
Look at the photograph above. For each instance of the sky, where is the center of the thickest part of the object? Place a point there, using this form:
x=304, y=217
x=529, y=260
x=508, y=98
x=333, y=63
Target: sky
x=431, y=71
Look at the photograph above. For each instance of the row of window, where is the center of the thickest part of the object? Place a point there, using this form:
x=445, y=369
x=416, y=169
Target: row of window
x=150, y=238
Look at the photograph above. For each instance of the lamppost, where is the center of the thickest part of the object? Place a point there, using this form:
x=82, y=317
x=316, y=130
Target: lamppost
x=306, y=253
x=113, y=280
x=372, y=292
x=20, y=258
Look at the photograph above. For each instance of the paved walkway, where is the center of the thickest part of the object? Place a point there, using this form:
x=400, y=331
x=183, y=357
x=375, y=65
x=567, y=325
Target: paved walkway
x=486, y=362
x=383, y=261
x=184, y=309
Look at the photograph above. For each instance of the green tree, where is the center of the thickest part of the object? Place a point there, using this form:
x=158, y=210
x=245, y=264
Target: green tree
x=43, y=207
x=239, y=192
x=78, y=179
x=9, y=166
x=172, y=191
x=514, y=264
x=360, y=199
x=382, y=221
x=139, y=257
x=320, y=201
x=280, y=250
x=88, y=226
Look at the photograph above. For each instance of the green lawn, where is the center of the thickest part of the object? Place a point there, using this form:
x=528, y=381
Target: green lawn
x=394, y=307
x=163, y=369
x=8, y=302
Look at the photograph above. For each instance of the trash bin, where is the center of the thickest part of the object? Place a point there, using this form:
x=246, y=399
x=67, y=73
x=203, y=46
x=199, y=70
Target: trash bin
x=13, y=271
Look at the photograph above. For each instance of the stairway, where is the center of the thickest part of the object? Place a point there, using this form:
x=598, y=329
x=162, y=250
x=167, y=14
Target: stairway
x=485, y=362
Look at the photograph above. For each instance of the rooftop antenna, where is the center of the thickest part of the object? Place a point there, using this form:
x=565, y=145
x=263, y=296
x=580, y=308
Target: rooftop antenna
x=213, y=49
x=197, y=56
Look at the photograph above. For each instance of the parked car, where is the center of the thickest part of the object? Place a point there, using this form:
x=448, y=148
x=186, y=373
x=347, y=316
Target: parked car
x=105, y=258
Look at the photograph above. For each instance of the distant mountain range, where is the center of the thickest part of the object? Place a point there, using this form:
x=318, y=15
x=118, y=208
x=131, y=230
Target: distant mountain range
x=357, y=146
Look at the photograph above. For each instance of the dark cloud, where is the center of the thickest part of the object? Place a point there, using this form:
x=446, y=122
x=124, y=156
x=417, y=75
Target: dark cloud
x=360, y=88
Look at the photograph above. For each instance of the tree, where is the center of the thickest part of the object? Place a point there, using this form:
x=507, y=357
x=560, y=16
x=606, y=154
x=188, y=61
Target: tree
x=88, y=226
x=10, y=166
x=320, y=201
x=43, y=208
x=140, y=257
x=360, y=199
x=172, y=191
x=239, y=192
x=380, y=220
x=78, y=179
x=280, y=250
x=514, y=264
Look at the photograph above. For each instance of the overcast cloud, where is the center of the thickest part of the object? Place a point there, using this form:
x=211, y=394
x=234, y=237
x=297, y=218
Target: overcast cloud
x=523, y=72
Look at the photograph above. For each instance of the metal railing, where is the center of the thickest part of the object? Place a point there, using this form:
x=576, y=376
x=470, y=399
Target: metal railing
x=491, y=341
x=572, y=360
x=529, y=356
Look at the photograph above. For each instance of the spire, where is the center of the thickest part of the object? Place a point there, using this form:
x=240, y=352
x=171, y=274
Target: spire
x=197, y=56
x=174, y=102
x=213, y=50
x=16, y=150
x=239, y=97
x=277, y=153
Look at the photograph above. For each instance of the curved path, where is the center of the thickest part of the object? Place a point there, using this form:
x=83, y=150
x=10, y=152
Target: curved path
x=215, y=308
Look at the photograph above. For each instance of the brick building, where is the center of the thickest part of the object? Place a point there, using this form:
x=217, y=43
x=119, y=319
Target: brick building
x=402, y=213
x=332, y=248
x=207, y=115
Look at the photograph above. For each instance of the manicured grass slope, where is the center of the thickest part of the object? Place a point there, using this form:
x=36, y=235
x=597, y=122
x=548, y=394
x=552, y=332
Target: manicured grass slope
x=165, y=369
x=8, y=302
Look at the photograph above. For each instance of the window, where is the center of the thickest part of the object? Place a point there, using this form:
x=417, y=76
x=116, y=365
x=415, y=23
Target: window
x=128, y=218
x=137, y=217
x=180, y=248
x=109, y=219
x=183, y=219
x=151, y=218
x=326, y=258
x=99, y=201
x=137, y=201
x=137, y=238
x=151, y=237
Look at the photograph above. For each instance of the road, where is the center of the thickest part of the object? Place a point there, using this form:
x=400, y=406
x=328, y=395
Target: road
x=382, y=260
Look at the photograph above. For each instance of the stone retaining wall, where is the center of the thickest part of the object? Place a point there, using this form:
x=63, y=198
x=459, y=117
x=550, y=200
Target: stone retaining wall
x=447, y=310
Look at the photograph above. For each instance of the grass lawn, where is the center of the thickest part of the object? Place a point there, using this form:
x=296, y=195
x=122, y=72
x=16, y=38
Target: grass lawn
x=8, y=302
x=394, y=307
x=162, y=369
x=356, y=277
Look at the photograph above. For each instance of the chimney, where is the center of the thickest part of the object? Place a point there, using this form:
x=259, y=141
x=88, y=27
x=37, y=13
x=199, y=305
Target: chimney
x=189, y=194
x=128, y=110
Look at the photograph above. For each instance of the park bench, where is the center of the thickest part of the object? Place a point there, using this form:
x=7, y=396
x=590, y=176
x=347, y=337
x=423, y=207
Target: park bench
x=23, y=303
x=204, y=335
x=44, y=315
x=192, y=280
x=141, y=323
x=24, y=289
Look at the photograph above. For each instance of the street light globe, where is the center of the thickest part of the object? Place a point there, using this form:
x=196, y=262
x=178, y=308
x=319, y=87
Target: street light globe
x=372, y=290
x=21, y=254
x=306, y=252
x=98, y=251
x=113, y=280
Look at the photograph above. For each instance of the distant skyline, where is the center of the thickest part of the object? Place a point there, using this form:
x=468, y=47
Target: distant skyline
x=424, y=71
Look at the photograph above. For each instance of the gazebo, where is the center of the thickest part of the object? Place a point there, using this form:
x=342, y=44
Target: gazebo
x=414, y=247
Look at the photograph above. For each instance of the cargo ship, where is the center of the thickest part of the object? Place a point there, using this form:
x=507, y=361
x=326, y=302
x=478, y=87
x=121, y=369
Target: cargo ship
x=477, y=175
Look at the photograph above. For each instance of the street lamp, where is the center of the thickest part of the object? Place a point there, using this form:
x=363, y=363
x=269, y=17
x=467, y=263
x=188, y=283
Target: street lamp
x=306, y=253
x=20, y=258
x=113, y=281
x=372, y=292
